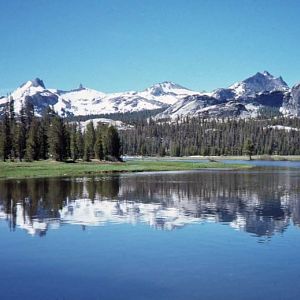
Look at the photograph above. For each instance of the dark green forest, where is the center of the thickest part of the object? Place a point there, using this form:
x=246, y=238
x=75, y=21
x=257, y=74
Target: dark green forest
x=24, y=136
x=198, y=136
x=28, y=137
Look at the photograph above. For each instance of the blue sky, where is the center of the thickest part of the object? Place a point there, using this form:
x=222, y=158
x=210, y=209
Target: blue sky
x=118, y=45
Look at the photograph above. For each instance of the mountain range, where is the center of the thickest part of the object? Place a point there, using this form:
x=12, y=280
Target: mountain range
x=242, y=99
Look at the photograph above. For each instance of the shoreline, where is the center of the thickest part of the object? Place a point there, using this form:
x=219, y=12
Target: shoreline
x=218, y=158
x=48, y=168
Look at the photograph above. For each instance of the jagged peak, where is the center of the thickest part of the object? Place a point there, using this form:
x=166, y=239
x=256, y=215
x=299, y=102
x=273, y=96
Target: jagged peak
x=258, y=75
x=260, y=82
x=266, y=73
x=37, y=82
x=266, y=76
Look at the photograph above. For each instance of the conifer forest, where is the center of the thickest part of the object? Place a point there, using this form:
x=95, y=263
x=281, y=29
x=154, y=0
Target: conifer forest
x=29, y=137
x=25, y=136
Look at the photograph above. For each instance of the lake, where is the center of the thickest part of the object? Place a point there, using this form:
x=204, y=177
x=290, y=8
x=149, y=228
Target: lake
x=211, y=234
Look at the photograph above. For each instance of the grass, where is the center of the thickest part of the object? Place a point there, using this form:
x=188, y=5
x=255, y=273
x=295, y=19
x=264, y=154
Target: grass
x=245, y=157
x=55, y=169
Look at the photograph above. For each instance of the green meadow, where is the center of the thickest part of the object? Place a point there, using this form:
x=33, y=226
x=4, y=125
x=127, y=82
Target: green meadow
x=54, y=169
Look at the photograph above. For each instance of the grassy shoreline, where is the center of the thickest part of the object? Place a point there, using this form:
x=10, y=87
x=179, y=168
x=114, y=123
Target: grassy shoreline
x=19, y=170
x=244, y=157
x=222, y=157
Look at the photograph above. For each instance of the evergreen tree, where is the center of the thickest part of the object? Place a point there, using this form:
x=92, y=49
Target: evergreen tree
x=6, y=137
x=80, y=142
x=89, y=142
x=29, y=111
x=32, y=142
x=13, y=128
x=21, y=135
x=73, y=142
x=2, y=145
x=98, y=148
x=200, y=136
x=57, y=139
x=175, y=149
x=249, y=148
x=46, y=119
x=11, y=109
x=112, y=142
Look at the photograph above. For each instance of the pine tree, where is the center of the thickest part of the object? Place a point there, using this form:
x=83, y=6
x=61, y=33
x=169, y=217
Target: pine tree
x=32, y=142
x=249, y=148
x=73, y=142
x=80, y=142
x=112, y=143
x=21, y=134
x=175, y=149
x=6, y=137
x=29, y=111
x=89, y=142
x=47, y=116
x=98, y=148
x=57, y=139
x=13, y=129
x=2, y=146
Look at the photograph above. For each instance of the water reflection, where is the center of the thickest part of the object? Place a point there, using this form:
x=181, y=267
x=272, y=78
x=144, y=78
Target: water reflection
x=260, y=203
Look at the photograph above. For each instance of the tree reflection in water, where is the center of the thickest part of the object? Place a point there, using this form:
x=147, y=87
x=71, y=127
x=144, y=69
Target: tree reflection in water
x=261, y=203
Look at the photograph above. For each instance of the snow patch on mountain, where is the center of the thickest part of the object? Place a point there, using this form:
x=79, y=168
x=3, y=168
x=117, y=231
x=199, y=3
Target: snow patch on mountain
x=166, y=92
x=85, y=101
x=28, y=89
x=242, y=99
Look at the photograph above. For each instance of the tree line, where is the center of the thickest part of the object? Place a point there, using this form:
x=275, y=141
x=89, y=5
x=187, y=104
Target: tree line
x=29, y=137
x=209, y=137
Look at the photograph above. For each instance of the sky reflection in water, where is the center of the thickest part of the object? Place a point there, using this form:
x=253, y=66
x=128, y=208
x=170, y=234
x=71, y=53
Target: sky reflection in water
x=187, y=235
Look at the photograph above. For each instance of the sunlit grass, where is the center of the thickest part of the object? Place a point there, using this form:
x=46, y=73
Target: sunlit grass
x=53, y=168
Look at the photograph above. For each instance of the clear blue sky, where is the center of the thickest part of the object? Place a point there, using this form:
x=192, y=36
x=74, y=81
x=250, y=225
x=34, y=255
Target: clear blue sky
x=118, y=45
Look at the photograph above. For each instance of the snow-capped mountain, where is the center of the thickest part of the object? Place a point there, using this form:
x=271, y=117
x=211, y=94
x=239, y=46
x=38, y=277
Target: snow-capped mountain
x=36, y=91
x=258, y=83
x=85, y=101
x=242, y=99
x=167, y=92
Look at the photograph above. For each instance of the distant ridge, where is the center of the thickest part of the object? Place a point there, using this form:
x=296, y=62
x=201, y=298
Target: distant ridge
x=242, y=99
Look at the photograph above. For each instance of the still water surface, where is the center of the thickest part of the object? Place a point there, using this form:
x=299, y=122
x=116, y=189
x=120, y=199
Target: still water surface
x=185, y=235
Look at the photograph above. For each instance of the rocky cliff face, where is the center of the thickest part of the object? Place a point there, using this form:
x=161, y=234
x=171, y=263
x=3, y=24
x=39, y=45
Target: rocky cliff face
x=243, y=99
x=291, y=102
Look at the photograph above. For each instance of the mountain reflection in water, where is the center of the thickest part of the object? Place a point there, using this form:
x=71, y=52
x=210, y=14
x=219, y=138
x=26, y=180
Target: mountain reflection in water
x=261, y=203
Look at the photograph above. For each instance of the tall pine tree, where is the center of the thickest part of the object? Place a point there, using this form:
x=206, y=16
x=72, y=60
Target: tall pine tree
x=58, y=139
x=33, y=142
x=98, y=148
x=112, y=144
x=89, y=142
